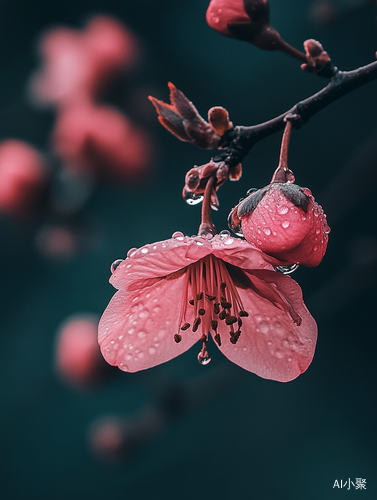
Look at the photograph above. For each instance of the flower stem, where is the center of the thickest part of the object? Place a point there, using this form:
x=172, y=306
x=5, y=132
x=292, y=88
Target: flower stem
x=282, y=173
x=207, y=226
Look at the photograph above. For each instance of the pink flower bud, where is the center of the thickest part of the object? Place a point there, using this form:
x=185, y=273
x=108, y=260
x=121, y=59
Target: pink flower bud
x=284, y=221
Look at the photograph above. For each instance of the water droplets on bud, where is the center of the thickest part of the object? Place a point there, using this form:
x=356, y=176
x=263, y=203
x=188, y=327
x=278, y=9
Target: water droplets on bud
x=326, y=229
x=115, y=264
x=287, y=269
x=204, y=358
x=251, y=190
x=283, y=210
x=192, y=198
x=235, y=229
x=285, y=224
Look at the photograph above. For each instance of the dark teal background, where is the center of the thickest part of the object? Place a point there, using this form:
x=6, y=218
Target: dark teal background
x=238, y=436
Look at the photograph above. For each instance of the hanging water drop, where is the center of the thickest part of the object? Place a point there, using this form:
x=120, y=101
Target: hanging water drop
x=287, y=269
x=235, y=229
x=251, y=190
x=192, y=198
x=115, y=264
x=204, y=358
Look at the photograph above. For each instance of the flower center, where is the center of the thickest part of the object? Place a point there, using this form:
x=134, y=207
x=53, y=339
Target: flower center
x=210, y=296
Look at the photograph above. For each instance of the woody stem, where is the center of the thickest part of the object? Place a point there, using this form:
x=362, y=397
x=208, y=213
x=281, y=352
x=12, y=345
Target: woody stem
x=207, y=225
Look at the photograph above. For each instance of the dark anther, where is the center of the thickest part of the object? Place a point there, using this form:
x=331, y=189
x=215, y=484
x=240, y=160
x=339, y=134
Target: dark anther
x=185, y=326
x=214, y=324
x=225, y=304
x=222, y=286
x=177, y=338
x=244, y=314
x=196, y=324
x=234, y=336
x=203, y=338
x=223, y=315
x=230, y=320
x=223, y=299
x=202, y=311
x=216, y=308
x=239, y=322
x=233, y=340
x=217, y=339
x=199, y=296
x=192, y=302
x=210, y=297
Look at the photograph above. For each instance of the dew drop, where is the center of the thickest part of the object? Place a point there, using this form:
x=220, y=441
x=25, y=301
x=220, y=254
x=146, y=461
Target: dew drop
x=315, y=248
x=264, y=326
x=326, y=229
x=141, y=335
x=282, y=210
x=251, y=190
x=317, y=231
x=303, y=217
x=285, y=224
x=279, y=354
x=144, y=250
x=199, y=243
x=204, y=358
x=287, y=269
x=123, y=367
x=152, y=350
x=192, y=198
x=131, y=252
x=115, y=264
x=177, y=234
x=228, y=241
x=224, y=234
x=267, y=231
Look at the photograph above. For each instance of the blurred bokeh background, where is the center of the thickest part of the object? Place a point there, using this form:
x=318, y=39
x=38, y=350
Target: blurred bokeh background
x=180, y=430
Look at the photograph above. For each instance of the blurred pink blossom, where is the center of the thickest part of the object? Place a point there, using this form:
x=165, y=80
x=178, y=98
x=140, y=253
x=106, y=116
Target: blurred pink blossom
x=77, y=356
x=22, y=176
x=78, y=64
x=100, y=138
x=174, y=292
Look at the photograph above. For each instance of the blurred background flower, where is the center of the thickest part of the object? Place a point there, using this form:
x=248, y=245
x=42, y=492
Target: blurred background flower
x=84, y=210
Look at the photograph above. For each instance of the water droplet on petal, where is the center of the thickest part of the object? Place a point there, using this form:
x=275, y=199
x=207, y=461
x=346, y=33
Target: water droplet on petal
x=315, y=248
x=115, y=264
x=267, y=231
x=287, y=269
x=152, y=350
x=224, y=234
x=131, y=252
x=204, y=358
x=177, y=234
x=283, y=210
x=285, y=224
x=123, y=367
x=192, y=198
x=326, y=229
x=228, y=241
x=144, y=250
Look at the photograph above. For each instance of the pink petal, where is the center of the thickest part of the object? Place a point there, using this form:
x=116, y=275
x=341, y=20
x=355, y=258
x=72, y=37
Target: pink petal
x=144, y=265
x=137, y=329
x=271, y=345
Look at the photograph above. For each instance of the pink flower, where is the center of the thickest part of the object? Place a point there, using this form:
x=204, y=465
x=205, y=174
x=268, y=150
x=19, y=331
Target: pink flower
x=174, y=292
x=78, y=64
x=100, y=138
x=77, y=357
x=22, y=176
